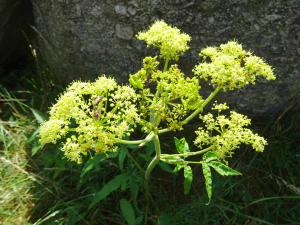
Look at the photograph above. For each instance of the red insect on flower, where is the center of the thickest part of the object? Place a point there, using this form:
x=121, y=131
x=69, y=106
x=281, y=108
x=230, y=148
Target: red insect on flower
x=96, y=114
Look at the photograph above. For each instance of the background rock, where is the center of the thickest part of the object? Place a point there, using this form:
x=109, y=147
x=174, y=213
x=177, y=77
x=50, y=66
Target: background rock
x=84, y=39
x=15, y=17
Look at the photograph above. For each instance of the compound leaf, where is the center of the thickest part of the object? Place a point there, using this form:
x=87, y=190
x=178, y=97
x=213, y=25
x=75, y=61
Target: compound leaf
x=208, y=180
x=209, y=156
x=127, y=211
x=108, y=188
x=122, y=156
x=91, y=163
x=179, y=166
x=188, y=174
x=223, y=169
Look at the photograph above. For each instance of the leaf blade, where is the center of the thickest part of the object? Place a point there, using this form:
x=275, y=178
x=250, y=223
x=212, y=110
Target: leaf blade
x=122, y=156
x=209, y=156
x=91, y=163
x=127, y=211
x=208, y=180
x=223, y=169
x=108, y=188
x=188, y=174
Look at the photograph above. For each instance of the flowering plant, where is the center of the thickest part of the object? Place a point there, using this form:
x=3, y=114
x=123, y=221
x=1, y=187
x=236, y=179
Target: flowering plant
x=104, y=113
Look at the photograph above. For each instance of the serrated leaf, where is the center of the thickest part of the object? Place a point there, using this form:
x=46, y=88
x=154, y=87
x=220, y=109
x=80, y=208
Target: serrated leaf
x=223, y=169
x=108, y=188
x=181, y=145
x=165, y=167
x=184, y=145
x=39, y=116
x=208, y=180
x=127, y=211
x=178, y=146
x=178, y=167
x=134, y=187
x=188, y=174
x=124, y=185
x=91, y=163
x=209, y=156
x=122, y=156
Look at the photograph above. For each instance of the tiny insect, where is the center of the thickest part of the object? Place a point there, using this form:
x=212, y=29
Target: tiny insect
x=96, y=114
x=97, y=100
x=242, y=62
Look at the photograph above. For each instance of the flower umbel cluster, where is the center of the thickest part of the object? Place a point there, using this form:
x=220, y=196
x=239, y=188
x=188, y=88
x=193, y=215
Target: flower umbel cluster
x=84, y=106
x=169, y=39
x=232, y=67
x=230, y=133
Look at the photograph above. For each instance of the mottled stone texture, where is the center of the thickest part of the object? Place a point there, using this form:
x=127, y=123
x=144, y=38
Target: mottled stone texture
x=15, y=19
x=86, y=38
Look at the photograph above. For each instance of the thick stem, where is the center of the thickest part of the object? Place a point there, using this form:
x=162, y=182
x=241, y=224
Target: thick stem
x=150, y=167
x=141, y=142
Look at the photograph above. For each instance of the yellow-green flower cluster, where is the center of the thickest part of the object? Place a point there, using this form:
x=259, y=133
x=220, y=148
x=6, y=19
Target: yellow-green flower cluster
x=169, y=39
x=232, y=67
x=231, y=133
x=93, y=132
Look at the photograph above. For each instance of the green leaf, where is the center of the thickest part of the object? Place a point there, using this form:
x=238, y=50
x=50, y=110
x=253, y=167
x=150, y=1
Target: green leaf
x=124, y=185
x=209, y=156
x=188, y=174
x=223, y=169
x=165, y=167
x=208, y=181
x=134, y=187
x=33, y=136
x=139, y=220
x=164, y=218
x=181, y=145
x=113, y=154
x=108, y=188
x=178, y=146
x=127, y=211
x=36, y=146
x=184, y=145
x=132, y=146
x=122, y=156
x=179, y=167
x=40, y=117
x=144, y=156
x=91, y=163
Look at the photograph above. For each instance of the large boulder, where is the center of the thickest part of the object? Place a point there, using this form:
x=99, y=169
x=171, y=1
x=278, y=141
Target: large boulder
x=82, y=39
x=16, y=16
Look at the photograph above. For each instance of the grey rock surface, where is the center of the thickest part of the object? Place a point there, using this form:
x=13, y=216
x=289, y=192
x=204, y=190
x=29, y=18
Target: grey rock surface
x=16, y=16
x=82, y=39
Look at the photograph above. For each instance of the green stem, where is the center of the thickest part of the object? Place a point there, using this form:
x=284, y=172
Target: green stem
x=141, y=142
x=192, y=162
x=166, y=64
x=196, y=111
x=150, y=167
x=187, y=154
x=203, y=104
